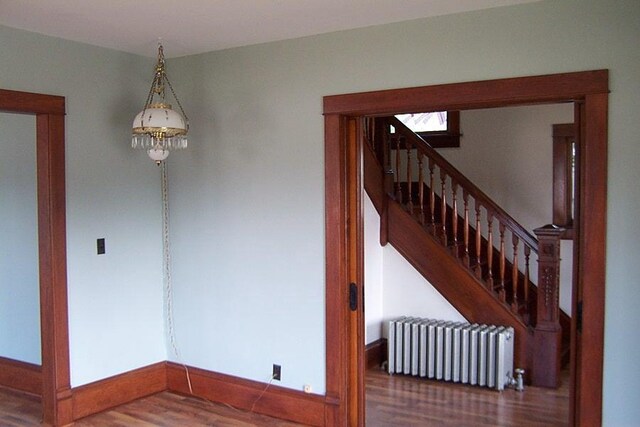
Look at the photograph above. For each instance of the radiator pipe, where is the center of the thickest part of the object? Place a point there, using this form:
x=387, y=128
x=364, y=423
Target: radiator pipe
x=518, y=382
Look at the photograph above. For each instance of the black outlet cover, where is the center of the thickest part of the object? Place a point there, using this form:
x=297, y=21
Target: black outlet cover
x=101, y=247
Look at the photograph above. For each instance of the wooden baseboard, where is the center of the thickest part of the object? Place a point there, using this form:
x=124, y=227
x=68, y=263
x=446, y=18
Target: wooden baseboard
x=376, y=353
x=117, y=390
x=21, y=376
x=245, y=394
x=240, y=393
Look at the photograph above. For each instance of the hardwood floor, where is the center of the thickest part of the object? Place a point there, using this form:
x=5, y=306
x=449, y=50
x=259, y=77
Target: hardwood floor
x=407, y=401
x=164, y=409
x=391, y=401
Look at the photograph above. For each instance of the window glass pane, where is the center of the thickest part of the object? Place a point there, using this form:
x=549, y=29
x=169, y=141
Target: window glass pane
x=425, y=122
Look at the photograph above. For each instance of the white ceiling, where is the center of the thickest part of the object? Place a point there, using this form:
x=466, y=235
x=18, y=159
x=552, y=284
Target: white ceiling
x=195, y=26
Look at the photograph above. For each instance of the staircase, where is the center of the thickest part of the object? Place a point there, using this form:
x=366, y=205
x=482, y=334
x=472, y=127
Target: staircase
x=472, y=251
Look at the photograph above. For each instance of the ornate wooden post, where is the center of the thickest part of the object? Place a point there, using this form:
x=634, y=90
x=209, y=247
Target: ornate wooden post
x=548, y=333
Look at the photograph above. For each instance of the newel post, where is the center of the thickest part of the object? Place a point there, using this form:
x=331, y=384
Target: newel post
x=548, y=333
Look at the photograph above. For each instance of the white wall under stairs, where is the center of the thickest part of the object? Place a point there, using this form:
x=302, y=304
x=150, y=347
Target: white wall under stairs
x=392, y=286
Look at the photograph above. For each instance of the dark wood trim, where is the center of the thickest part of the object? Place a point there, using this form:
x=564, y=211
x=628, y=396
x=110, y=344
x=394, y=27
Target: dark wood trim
x=54, y=330
x=336, y=269
x=563, y=135
x=376, y=353
x=31, y=103
x=272, y=400
x=591, y=253
x=589, y=88
x=117, y=390
x=21, y=376
x=355, y=256
x=467, y=96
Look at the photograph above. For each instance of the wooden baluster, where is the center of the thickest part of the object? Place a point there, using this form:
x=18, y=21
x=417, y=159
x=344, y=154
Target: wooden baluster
x=501, y=291
x=432, y=195
x=409, y=179
x=515, y=274
x=398, y=195
x=490, y=249
x=421, y=187
x=465, y=198
x=384, y=132
x=366, y=127
x=443, y=206
x=454, y=217
x=527, y=254
x=478, y=267
x=371, y=135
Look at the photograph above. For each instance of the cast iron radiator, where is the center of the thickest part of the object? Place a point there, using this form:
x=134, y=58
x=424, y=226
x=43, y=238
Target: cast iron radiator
x=480, y=355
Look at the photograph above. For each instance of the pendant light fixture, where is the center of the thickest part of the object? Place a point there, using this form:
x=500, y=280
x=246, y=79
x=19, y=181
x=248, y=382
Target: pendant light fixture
x=158, y=128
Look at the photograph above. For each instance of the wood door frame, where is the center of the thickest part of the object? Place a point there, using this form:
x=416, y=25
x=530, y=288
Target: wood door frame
x=589, y=91
x=50, y=177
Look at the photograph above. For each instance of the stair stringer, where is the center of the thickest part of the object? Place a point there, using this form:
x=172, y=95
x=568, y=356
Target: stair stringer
x=449, y=276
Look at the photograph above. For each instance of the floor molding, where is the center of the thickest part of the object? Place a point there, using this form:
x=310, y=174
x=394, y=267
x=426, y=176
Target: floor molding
x=375, y=353
x=245, y=394
x=120, y=389
x=21, y=376
x=117, y=390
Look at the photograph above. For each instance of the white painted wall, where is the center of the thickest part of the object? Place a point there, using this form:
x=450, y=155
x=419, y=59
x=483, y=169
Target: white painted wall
x=115, y=300
x=19, y=284
x=373, y=273
x=508, y=153
x=393, y=287
x=407, y=293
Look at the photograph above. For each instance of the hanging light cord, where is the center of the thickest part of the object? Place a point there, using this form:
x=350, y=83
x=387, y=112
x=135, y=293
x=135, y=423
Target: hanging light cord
x=166, y=261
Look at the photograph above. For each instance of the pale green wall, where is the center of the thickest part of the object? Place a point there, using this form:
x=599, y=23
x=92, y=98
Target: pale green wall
x=250, y=189
x=247, y=197
x=115, y=300
x=19, y=290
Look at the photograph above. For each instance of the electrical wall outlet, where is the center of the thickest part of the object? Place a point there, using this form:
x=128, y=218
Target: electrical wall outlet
x=276, y=372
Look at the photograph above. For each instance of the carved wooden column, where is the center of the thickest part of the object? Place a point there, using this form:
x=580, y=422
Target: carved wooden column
x=548, y=333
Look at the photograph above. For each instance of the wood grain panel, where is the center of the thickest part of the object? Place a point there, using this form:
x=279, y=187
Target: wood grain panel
x=245, y=394
x=117, y=390
x=21, y=376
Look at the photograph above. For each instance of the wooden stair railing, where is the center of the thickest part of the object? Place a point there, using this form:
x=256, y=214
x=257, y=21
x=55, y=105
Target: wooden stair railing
x=485, y=239
x=461, y=227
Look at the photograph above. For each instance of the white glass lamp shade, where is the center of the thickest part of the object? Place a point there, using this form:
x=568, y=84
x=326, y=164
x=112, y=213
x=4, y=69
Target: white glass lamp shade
x=159, y=118
x=159, y=129
x=158, y=154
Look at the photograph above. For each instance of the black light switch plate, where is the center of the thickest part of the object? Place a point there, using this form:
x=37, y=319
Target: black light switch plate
x=101, y=247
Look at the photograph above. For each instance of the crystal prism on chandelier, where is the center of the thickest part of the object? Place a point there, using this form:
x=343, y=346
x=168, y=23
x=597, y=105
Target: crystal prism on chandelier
x=158, y=128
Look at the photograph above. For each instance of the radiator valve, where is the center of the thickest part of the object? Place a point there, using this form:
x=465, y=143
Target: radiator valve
x=517, y=382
